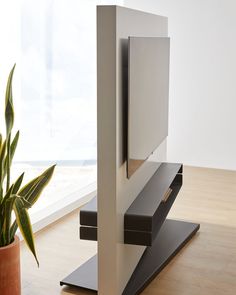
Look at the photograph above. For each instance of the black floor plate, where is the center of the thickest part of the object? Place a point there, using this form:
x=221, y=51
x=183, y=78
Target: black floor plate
x=171, y=238
x=84, y=276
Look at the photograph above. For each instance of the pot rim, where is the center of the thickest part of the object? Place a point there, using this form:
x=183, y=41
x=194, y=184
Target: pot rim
x=16, y=241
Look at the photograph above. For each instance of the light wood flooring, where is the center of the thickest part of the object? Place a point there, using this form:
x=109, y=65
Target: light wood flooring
x=205, y=266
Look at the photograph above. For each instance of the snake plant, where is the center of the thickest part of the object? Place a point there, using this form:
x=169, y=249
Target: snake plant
x=15, y=197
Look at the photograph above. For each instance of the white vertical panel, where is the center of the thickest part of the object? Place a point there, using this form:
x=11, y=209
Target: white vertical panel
x=106, y=141
x=117, y=261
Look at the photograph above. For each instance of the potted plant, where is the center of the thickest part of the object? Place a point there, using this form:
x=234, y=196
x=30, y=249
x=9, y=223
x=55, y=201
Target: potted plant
x=18, y=199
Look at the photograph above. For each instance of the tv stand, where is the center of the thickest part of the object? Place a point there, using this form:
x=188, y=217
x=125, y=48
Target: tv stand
x=135, y=241
x=145, y=223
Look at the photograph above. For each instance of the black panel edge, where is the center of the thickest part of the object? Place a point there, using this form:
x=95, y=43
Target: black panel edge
x=88, y=218
x=88, y=233
x=181, y=169
x=85, y=276
x=135, y=286
x=130, y=237
x=142, y=238
x=140, y=222
x=146, y=238
x=147, y=223
x=163, y=210
x=88, y=213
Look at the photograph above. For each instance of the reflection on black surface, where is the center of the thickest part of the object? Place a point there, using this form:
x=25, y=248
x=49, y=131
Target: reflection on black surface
x=76, y=291
x=133, y=165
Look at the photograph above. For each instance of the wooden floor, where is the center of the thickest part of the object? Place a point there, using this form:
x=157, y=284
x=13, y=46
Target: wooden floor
x=205, y=266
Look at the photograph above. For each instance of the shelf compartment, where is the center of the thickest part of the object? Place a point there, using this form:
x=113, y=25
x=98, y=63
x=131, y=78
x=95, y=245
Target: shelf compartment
x=144, y=218
x=135, y=237
x=143, y=237
x=144, y=213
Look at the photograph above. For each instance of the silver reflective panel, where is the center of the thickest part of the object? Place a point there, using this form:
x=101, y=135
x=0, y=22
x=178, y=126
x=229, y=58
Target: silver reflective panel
x=148, y=97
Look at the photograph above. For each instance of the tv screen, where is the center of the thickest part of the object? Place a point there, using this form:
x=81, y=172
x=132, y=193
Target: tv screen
x=148, y=91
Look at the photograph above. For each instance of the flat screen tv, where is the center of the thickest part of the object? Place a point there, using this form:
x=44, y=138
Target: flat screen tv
x=148, y=93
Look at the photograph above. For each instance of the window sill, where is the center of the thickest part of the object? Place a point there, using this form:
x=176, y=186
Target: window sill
x=62, y=207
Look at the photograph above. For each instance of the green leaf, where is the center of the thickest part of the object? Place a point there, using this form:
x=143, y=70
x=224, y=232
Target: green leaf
x=9, y=110
x=11, y=148
x=7, y=222
x=26, y=203
x=6, y=218
x=34, y=188
x=8, y=157
x=8, y=194
x=12, y=152
x=2, y=158
x=17, y=184
x=23, y=221
x=13, y=229
x=3, y=149
x=14, y=144
x=32, y=191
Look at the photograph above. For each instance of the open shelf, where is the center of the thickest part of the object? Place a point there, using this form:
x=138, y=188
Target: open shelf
x=145, y=216
x=144, y=212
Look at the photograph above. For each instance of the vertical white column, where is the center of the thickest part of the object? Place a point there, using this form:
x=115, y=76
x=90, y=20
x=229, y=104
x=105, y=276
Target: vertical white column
x=117, y=261
x=106, y=138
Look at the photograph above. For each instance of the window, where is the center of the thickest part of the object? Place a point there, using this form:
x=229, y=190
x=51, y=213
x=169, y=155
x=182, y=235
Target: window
x=54, y=45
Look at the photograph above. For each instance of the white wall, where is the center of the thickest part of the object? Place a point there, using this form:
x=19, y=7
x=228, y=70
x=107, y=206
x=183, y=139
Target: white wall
x=202, y=128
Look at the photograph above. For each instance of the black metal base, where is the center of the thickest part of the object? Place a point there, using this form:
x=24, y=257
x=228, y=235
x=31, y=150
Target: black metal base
x=168, y=242
x=84, y=276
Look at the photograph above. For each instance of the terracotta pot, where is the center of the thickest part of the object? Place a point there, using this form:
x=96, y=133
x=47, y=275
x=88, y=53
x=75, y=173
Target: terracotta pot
x=10, y=281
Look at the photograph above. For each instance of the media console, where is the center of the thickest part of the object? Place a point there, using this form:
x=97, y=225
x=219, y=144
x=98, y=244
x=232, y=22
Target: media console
x=145, y=223
x=135, y=191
